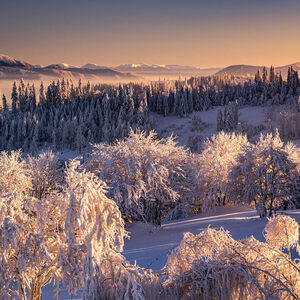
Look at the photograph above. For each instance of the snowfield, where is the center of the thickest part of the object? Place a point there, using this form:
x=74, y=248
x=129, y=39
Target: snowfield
x=181, y=127
x=149, y=246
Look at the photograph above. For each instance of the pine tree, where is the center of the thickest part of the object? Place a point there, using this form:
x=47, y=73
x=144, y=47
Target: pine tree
x=23, y=96
x=258, y=78
x=4, y=103
x=165, y=107
x=272, y=74
x=80, y=140
x=42, y=97
x=34, y=142
x=220, y=123
x=32, y=99
x=14, y=98
x=265, y=75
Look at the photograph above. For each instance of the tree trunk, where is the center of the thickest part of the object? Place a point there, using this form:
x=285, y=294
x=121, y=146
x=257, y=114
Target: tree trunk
x=36, y=291
x=21, y=291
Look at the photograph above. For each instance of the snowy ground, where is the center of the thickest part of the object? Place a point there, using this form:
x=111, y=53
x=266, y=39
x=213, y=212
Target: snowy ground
x=181, y=127
x=149, y=245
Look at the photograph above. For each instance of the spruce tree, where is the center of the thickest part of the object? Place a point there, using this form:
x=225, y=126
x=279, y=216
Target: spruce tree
x=14, y=98
x=272, y=74
x=220, y=123
x=4, y=103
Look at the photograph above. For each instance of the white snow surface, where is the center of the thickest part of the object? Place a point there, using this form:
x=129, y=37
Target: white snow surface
x=181, y=127
x=149, y=246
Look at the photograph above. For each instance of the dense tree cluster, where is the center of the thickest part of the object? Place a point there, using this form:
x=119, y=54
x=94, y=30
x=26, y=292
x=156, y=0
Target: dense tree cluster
x=69, y=116
x=152, y=178
x=201, y=93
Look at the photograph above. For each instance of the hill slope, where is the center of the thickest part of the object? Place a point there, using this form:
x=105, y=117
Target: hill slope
x=6, y=61
x=249, y=70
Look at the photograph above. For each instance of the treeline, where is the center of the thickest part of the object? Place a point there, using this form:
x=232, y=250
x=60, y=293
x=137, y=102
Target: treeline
x=67, y=116
x=203, y=93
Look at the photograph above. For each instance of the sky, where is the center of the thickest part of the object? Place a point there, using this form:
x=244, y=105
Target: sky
x=203, y=33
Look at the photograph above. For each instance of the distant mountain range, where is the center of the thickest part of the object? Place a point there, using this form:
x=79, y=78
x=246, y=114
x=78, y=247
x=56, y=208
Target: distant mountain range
x=11, y=68
x=93, y=67
x=165, y=70
x=16, y=69
x=248, y=70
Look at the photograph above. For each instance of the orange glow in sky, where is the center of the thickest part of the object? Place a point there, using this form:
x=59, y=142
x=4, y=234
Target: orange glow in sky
x=200, y=33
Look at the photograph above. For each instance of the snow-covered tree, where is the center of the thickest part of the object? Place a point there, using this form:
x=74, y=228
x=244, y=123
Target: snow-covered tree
x=282, y=232
x=24, y=246
x=230, y=116
x=212, y=265
x=14, y=98
x=4, y=103
x=146, y=175
x=94, y=238
x=45, y=173
x=220, y=122
x=219, y=156
x=267, y=175
x=197, y=124
x=80, y=140
x=13, y=172
x=42, y=97
x=74, y=237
